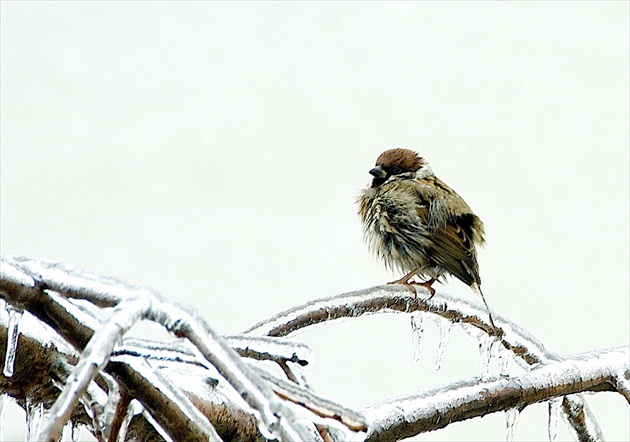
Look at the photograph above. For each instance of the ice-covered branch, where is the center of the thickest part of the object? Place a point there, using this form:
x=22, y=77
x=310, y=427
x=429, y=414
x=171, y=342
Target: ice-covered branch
x=73, y=282
x=32, y=284
x=21, y=290
x=407, y=416
x=397, y=299
x=94, y=357
x=318, y=405
x=277, y=418
x=205, y=385
x=469, y=312
x=581, y=419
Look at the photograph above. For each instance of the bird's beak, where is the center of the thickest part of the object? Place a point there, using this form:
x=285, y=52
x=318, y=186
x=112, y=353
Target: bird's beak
x=378, y=172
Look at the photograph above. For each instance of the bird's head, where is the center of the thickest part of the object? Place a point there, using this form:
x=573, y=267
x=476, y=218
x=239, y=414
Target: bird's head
x=398, y=163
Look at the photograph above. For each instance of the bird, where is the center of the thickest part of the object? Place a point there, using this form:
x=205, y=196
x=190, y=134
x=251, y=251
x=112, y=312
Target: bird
x=417, y=224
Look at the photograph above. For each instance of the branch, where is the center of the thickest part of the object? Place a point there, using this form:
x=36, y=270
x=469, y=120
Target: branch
x=28, y=283
x=179, y=378
x=94, y=357
x=397, y=299
x=407, y=416
x=23, y=291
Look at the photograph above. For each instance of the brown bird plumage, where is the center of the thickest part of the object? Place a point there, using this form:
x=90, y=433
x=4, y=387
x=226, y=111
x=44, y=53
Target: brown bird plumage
x=417, y=224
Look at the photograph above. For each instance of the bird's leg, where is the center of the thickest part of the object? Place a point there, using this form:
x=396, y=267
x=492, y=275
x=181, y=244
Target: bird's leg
x=405, y=281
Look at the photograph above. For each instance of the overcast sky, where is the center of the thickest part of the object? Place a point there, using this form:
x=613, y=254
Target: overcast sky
x=214, y=151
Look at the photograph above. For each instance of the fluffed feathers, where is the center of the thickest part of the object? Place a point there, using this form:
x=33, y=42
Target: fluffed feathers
x=417, y=224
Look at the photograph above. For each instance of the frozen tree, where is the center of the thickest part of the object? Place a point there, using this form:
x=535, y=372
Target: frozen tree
x=68, y=363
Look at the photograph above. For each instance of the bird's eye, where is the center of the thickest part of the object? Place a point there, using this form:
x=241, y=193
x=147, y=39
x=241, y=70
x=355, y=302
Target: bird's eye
x=397, y=170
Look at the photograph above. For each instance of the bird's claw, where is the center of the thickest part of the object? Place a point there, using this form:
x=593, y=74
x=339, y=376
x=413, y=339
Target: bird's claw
x=427, y=285
x=411, y=286
x=407, y=285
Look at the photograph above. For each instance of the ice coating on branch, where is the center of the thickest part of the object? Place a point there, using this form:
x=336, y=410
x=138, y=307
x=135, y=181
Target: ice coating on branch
x=511, y=419
x=34, y=416
x=267, y=431
x=298, y=373
x=70, y=280
x=622, y=383
x=444, y=330
x=337, y=430
x=10, y=270
x=263, y=347
x=3, y=410
x=70, y=433
x=417, y=336
x=174, y=394
x=309, y=400
x=217, y=351
x=133, y=409
x=82, y=310
x=555, y=411
x=469, y=312
x=157, y=426
x=104, y=419
x=273, y=414
x=12, y=340
x=93, y=358
x=354, y=304
x=93, y=402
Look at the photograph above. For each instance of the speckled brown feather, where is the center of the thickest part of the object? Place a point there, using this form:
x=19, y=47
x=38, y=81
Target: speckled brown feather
x=414, y=220
x=416, y=223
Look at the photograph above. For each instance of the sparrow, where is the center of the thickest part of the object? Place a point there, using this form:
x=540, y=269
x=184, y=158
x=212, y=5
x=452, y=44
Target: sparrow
x=417, y=224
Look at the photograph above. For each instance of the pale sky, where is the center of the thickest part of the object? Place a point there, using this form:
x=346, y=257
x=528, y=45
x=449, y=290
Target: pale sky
x=214, y=151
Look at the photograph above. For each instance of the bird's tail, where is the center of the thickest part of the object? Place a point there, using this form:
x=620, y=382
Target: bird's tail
x=477, y=289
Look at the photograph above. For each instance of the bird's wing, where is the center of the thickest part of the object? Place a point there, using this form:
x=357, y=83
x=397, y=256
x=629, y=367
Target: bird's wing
x=456, y=230
x=446, y=204
x=453, y=249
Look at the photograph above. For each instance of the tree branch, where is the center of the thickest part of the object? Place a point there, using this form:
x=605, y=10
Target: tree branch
x=71, y=301
x=407, y=416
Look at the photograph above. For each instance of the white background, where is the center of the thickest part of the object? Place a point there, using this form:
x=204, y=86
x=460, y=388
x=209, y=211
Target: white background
x=214, y=151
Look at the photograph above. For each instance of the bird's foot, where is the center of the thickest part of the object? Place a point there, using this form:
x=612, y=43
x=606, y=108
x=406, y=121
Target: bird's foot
x=427, y=285
x=408, y=286
x=411, y=285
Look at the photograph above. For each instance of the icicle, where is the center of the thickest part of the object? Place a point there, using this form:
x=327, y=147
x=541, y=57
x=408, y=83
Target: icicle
x=76, y=433
x=444, y=328
x=505, y=361
x=157, y=426
x=66, y=434
x=471, y=330
x=487, y=346
x=511, y=419
x=12, y=340
x=555, y=411
x=417, y=336
x=70, y=432
x=298, y=372
x=265, y=430
x=134, y=408
x=95, y=411
x=105, y=418
x=34, y=417
x=3, y=410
